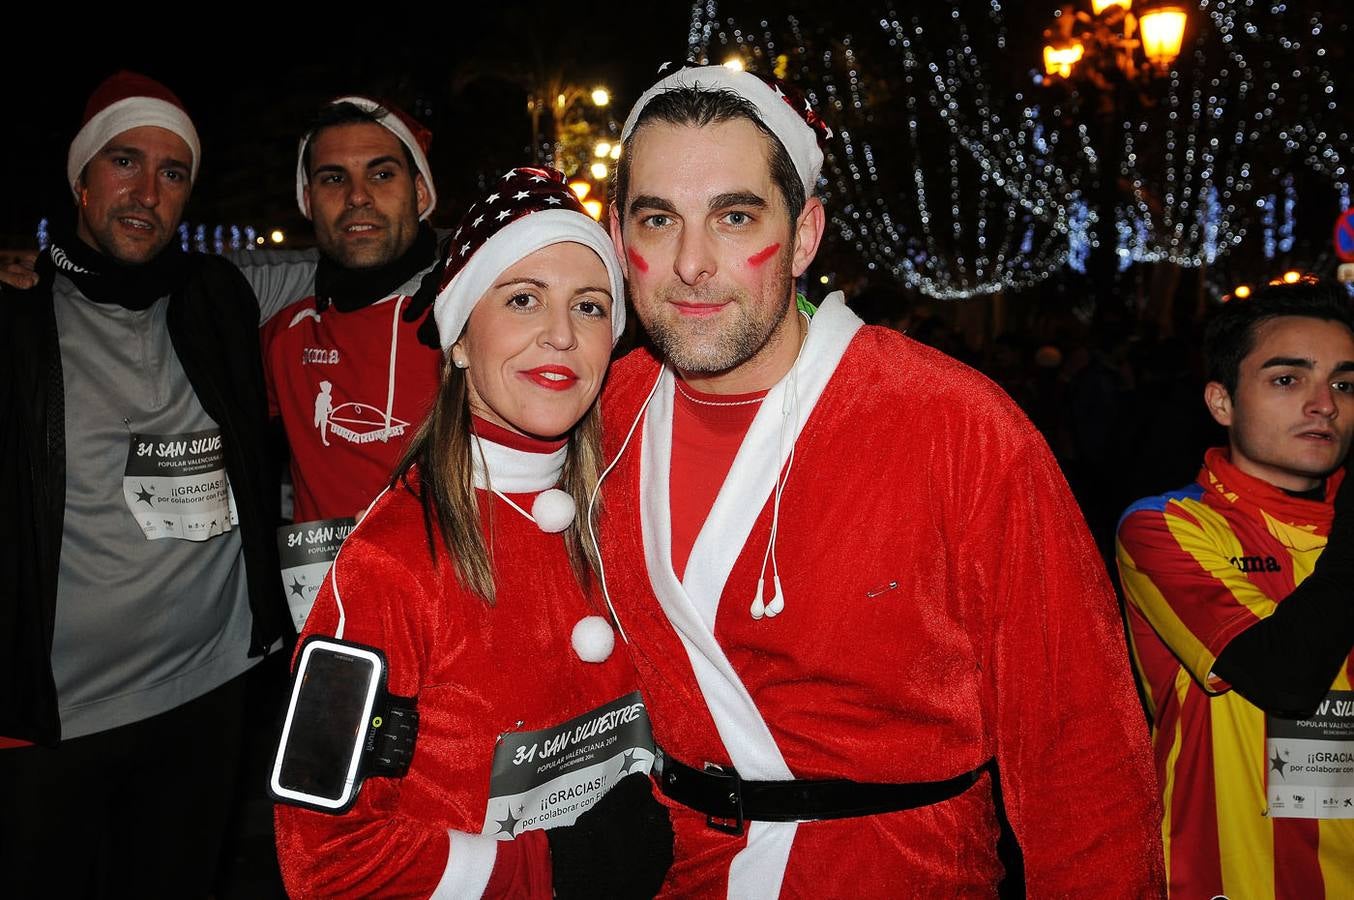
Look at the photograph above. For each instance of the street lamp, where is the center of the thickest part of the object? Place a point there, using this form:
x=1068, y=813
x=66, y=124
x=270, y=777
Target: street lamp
x=580, y=141
x=1059, y=60
x=1102, y=65
x=571, y=136
x=1163, y=31
x=1109, y=37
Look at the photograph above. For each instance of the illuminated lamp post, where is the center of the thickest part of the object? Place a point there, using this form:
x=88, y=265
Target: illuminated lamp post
x=568, y=105
x=1163, y=33
x=1102, y=64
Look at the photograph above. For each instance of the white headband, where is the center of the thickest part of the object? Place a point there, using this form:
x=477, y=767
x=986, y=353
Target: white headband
x=776, y=114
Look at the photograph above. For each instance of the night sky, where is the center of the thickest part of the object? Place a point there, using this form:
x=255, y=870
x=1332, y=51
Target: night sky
x=251, y=82
x=252, y=77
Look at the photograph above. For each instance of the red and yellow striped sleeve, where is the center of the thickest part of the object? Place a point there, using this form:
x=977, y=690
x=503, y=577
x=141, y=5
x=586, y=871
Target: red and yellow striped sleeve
x=1177, y=562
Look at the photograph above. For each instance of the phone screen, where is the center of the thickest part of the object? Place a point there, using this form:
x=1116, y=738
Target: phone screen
x=327, y=723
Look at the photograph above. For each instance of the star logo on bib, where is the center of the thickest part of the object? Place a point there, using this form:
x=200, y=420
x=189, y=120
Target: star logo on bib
x=629, y=760
x=1277, y=764
x=506, y=826
x=145, y=496
x=297, y=586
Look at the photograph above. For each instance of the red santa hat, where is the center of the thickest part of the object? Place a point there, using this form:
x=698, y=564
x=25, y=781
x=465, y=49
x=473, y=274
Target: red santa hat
x=529, y=209
x=782, y=109
x=409, y=130
x=126, y=100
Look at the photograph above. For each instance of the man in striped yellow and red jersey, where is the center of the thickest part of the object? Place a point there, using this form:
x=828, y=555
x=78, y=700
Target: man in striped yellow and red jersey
x=1240, y=594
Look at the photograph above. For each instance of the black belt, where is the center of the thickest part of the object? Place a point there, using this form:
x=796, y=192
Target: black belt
x=728, y=801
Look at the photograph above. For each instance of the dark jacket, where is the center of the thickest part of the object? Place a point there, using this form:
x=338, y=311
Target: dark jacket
x=213, y=325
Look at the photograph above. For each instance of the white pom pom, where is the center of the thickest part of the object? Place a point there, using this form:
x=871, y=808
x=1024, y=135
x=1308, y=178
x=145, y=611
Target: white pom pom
x=593, y=639
x=553, y=510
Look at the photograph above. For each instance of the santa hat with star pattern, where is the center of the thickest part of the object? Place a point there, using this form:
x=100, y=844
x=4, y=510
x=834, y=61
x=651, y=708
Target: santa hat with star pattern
x=529, y=209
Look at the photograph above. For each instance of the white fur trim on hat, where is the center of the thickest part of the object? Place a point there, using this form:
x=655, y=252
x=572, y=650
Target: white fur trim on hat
x=517, y=240
x=788, y=126
x=392, y=123
x=124, y=115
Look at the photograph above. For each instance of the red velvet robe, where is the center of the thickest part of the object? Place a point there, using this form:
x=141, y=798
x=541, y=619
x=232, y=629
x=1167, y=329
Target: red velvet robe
x=945, y=605
x=477, y=671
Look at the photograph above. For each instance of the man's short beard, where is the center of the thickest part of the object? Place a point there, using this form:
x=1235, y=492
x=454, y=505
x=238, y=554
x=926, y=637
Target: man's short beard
x=708, y=348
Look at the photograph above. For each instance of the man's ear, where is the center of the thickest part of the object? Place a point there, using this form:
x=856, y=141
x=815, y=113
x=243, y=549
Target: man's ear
x=808, y=234
x=614, y=225
x=421, y=194
x=1219, y=403
x=305, y=195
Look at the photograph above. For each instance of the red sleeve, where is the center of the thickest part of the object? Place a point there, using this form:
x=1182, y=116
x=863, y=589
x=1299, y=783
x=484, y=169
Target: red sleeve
x=386, y=845
x=522, y=868
x=1072, y=744
x=1177, y=577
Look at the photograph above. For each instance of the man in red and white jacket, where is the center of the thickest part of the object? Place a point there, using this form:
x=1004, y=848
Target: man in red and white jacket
x=852, y=579
x=350, y=370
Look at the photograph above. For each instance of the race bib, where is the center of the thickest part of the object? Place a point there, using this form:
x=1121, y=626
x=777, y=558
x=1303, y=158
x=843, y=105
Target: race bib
x=1310, y=762
x=307, y=550
x=548, y=778
x=176, y=487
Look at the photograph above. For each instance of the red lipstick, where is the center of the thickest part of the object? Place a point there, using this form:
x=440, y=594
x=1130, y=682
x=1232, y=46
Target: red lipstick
x=639, y=262
x=552, y=378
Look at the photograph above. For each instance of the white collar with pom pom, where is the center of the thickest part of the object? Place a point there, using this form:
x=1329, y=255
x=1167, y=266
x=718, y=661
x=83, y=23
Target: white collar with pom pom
x=505, y=470
x=500, y=468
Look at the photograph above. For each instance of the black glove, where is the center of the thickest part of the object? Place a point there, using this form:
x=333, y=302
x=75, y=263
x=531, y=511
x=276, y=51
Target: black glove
x=1285, y=663
x=1339, y=553
x=621, y=848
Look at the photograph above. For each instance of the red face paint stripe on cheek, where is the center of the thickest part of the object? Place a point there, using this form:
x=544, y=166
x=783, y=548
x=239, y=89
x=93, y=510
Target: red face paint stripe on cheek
x=639, y=262
x=763, y=255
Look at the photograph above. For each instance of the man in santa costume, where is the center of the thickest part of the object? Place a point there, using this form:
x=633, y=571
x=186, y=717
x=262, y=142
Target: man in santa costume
x=854, y=582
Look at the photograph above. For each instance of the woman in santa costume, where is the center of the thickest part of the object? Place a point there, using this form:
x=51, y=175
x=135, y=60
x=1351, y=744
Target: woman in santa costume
x=474, y=577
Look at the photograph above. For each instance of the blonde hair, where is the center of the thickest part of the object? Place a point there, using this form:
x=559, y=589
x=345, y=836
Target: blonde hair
x=442, y=450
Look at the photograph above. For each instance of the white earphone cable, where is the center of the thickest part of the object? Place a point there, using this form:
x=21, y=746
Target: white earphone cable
x=592, y=500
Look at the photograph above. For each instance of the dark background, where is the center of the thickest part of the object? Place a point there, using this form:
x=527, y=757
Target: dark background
x=251, y=79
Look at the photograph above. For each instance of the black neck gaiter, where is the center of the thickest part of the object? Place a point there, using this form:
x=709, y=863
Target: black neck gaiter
x=105, y=280
x=353, y=289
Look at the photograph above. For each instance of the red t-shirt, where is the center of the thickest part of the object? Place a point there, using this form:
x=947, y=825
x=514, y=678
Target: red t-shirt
x=707, y=430
x=351, y=388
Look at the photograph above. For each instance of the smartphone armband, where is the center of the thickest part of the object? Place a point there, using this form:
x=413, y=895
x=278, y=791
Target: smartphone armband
x=342, y=726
